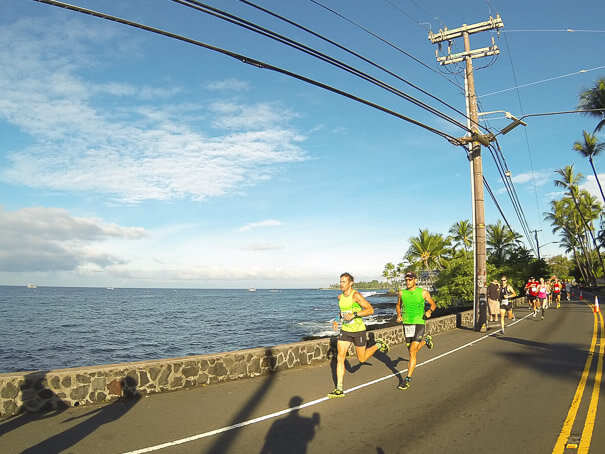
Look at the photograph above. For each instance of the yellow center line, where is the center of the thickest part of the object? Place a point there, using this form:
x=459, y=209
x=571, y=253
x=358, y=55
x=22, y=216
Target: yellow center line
x=594, y=400
x=577, y=398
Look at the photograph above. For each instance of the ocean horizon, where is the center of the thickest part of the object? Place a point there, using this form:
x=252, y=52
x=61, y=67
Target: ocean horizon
x=45, y=328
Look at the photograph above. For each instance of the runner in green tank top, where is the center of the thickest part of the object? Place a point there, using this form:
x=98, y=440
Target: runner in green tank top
x=410, y=311
x=352, y=306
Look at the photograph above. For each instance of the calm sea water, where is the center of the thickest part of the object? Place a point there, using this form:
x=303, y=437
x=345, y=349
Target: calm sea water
x=59, y=327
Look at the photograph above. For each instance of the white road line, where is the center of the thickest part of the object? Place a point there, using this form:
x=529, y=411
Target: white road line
x=308, y=404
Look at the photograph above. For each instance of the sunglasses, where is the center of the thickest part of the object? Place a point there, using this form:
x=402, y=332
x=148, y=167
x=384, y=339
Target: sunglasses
x=409, y=278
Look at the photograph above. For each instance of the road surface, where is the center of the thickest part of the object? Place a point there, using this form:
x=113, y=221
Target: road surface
x=535, y=389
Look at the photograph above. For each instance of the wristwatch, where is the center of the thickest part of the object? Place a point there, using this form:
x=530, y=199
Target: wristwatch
x=354, y=314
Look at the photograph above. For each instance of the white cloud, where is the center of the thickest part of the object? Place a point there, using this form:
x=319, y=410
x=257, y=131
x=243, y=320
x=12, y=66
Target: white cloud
x=261, y=247
x=231, y=84
x=50, y=239
x=265, y=223
x=591, y=186
x=98, y=137
x=540, y=178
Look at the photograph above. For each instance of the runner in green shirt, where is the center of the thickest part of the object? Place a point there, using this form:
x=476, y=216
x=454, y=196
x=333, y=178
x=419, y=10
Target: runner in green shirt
x=352, y=306
x=410, y=311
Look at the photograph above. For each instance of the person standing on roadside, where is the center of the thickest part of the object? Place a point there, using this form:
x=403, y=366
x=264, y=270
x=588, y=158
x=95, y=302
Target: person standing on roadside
x=493, y=303
x=353, y=306
x=506, y=305
x=410, y=311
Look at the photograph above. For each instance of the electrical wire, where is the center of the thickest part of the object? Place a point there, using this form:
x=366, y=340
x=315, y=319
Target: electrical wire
x=341, y=47
x=199, y=6
x=516, y=87
x=250, y=61
x=383, y=40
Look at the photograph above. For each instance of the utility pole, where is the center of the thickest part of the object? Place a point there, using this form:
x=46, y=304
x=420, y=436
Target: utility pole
x=537, y=242
x=476, y=139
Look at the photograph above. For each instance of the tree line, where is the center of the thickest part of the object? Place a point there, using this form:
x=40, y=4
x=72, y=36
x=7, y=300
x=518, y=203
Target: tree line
x=445, y=261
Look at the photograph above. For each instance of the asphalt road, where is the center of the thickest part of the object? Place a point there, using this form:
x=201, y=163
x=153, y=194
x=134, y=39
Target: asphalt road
x=473, y=392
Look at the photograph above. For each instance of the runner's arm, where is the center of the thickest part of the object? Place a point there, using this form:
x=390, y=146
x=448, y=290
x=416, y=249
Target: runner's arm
x=398, y=308
x=427, y=297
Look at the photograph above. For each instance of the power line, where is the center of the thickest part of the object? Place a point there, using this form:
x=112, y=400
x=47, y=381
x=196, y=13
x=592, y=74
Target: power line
x=529, y=153
x=567, y=30
x=385, y=41
x=516, y=87
x=247, y=60
x=207, y=9
x=391, y=73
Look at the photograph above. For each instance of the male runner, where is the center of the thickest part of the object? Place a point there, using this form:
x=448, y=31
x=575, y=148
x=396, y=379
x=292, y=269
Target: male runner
x=556, y=290
x=353, y=306
x=532, y=285
x=410, y=311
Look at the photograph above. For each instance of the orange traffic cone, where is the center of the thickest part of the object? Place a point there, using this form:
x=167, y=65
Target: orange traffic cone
x=581, y=297
x=597, y=308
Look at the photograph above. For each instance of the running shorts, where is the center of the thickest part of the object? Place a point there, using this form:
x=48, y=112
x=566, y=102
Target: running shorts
x=413, y=333
x=358, y=338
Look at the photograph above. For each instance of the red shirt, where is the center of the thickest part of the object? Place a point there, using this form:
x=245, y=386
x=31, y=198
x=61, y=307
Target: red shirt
x=533, y=288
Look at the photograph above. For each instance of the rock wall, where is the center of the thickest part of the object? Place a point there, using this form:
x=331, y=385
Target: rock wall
x=44, y=391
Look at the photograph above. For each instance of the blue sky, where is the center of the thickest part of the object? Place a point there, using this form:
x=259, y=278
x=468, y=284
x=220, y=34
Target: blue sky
x=129, y=159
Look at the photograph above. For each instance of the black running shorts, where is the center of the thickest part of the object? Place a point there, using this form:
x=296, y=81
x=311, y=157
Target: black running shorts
x=413, y=333
x=358, y=338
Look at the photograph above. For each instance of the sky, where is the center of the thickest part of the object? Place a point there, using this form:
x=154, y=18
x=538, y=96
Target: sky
x=130, y=159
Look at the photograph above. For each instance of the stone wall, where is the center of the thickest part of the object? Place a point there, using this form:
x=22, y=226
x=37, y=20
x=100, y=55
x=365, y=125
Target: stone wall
x=43, y=391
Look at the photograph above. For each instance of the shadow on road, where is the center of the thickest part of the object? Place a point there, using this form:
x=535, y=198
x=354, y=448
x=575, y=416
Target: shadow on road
x=557, y=359
x=223, y=443
x=95, y=419
x=37, y=403
x=291, y=434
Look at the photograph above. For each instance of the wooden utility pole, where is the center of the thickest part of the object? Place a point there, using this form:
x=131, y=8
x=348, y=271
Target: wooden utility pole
x=475, y=140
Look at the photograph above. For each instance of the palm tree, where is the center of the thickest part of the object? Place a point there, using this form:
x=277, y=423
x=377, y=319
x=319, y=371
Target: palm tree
x=594, y=98
x=570, y=182
x=500, y=241
x=589, y=149
x=389, y=272
x=566, y=221
x=427, y=251
x=462, y=235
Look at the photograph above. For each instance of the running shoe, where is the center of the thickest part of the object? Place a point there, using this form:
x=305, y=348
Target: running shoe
x=406, y=383
x=382, y=345
x=429, y=341
x=542, y=317
x=336, y=393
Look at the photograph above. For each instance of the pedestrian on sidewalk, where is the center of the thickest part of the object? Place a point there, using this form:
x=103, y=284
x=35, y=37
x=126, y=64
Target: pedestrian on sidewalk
x=507, y=292
x=410, y=311
x=493, y=303
x=353, y=306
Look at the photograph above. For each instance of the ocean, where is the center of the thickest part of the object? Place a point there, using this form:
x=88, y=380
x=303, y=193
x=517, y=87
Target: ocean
x=48, y=328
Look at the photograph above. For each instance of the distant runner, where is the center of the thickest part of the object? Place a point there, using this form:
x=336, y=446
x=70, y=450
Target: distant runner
x=353, y=306
x=410, y=311
x=532, y=287
x=543, y=296
x=568, y=290
x=556, y=291
x=506, y=305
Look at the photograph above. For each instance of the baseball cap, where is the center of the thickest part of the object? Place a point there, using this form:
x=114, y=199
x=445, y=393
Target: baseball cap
x=411, y=274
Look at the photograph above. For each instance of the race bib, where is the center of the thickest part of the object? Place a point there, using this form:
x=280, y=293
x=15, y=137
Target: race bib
x=344, y=321
x=409, y=330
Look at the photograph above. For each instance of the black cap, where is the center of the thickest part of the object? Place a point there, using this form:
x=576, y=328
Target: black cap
x=411, y=274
